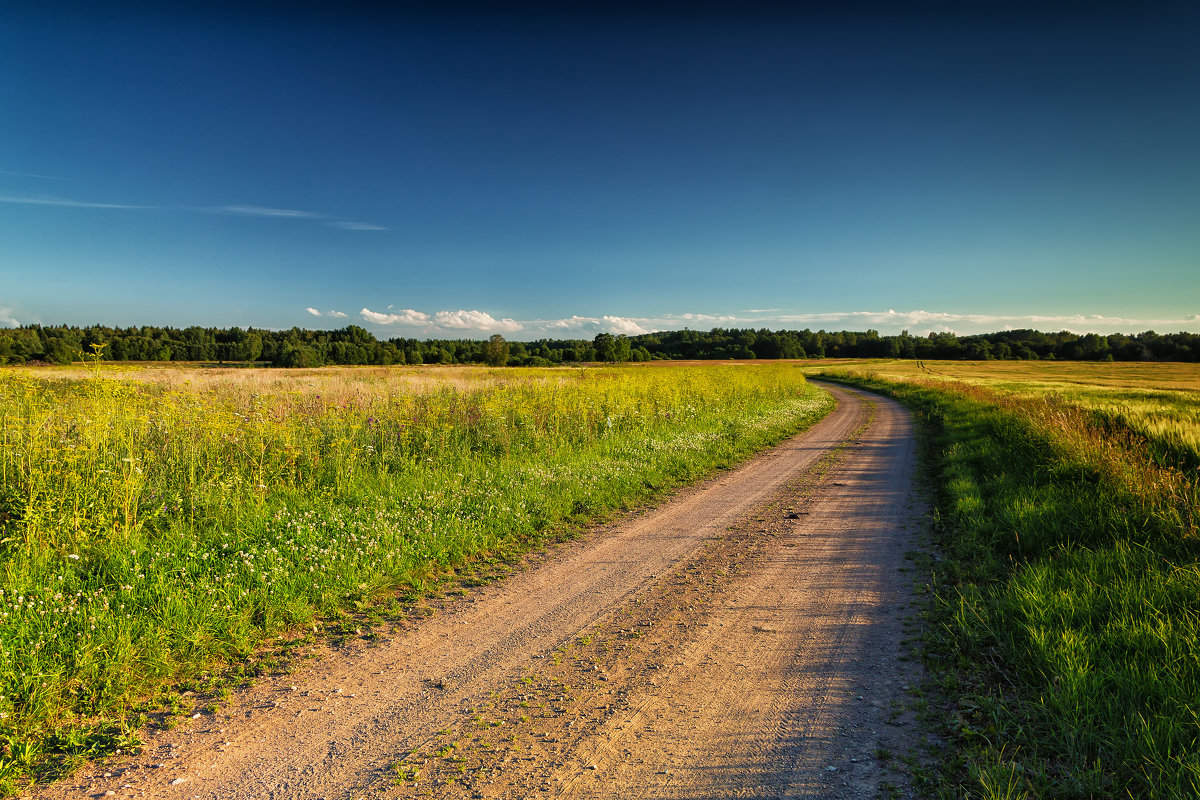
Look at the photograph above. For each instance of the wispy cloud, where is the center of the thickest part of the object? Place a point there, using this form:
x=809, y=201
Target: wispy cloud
x=8, y=318
x=355, y=226
x=318, y=313
x=64, y=202
x=260, y=211
x=34, y=175
x=714, y=319
x=329, y=220
x=263, y=212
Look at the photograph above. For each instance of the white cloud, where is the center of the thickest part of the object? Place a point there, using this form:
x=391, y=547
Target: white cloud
x=475, y=321
x=623, y=325
x=889, y=321
x=918, y=322
x=715, y=318
x=317, y=313
x=922, y=322
x=58, y=201
x=586, y=327
x=405, y=317
x=347, y=225
x=8, y=318
x=34, y=175
x=292, y=213
x=260, y=211
x=442, y=321
x=237, y=210
x=571, y=323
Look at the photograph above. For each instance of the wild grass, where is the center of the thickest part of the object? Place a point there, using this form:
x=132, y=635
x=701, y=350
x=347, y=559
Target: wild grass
x=153, y=527
x=1159, y=401
x=1066, y=615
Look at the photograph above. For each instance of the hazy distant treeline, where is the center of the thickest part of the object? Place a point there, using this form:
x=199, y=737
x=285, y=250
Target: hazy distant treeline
x=298, y=347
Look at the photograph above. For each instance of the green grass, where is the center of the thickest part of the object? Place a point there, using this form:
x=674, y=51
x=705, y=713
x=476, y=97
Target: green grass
x=153, y=529
x=1065, y=622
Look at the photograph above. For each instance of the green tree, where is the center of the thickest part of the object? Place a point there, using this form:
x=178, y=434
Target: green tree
x=606, y=347
x=59, y=352
x=622, y=350
x=495, y=351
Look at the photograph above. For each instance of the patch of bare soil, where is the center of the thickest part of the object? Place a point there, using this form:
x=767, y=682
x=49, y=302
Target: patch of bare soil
x=745, y=639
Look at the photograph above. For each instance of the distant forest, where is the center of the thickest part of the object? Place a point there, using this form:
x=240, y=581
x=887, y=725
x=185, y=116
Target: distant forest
x=298, y=347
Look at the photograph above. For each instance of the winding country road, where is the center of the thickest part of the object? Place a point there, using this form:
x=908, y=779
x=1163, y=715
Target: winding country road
x=743, y=639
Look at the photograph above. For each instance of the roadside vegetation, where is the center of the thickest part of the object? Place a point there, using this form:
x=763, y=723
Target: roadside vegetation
x=157, y=525
x=1065, y=617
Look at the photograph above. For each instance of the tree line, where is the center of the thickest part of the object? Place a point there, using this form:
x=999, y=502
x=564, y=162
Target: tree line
x=353, y=345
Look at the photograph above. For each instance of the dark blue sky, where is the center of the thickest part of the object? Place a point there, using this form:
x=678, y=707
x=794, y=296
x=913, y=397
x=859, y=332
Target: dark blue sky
x=542, y=173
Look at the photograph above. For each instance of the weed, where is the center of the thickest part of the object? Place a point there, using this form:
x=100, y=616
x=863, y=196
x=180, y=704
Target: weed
x=406, y=773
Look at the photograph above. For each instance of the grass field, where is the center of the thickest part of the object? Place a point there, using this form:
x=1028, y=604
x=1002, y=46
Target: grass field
x=1160, y=401
x=158, y=524
x=1065, y=621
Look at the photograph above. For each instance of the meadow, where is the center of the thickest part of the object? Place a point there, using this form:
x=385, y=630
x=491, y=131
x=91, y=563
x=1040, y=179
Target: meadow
x=1159, y=401
x=1064, y=622
x=159, y=525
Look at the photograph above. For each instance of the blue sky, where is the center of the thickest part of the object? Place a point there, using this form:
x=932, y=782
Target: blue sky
x=465, y=171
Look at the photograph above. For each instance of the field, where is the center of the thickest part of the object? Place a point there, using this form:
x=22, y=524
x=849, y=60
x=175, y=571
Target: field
x=167, y=529
x=1160, y=401
x=159, y=525
x=1064, y=634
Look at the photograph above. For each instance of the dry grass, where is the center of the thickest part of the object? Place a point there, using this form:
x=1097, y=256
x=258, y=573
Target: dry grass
x=1160, y=401
x=357, y=386
x=1041, y=375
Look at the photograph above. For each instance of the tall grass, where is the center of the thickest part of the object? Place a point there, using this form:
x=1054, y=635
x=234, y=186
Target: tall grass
x=1158, y=401
x=150, y=529
x=1067, y=599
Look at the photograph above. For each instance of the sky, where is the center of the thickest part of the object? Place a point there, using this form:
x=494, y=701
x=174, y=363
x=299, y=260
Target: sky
x=459, y=170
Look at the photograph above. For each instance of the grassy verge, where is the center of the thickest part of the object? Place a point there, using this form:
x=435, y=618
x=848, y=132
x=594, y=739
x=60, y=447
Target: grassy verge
x=1066, y=615
x=153, y=530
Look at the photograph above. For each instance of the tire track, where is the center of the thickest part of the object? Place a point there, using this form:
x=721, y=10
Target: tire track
x=772, y=700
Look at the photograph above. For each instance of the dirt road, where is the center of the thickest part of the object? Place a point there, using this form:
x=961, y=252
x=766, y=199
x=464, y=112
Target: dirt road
x=741, y=640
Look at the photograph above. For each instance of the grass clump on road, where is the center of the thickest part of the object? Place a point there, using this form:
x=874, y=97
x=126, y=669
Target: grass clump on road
x=154, y=529
x=1066, y=629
